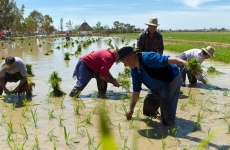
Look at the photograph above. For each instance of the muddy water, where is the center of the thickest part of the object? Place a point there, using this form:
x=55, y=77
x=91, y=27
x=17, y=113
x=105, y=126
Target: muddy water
x=140, y=134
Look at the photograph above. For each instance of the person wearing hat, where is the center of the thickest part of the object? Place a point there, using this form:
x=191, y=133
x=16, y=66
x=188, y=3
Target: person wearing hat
x=95, y=65
x=12, y=69
x=158, y=73
x=150, y=40
x=201, y=55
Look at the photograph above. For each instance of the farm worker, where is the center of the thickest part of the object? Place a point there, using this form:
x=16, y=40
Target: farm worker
x=12, y=69
x=67, y=37
x=95, y=65
x=201, y=55
x=158, y=73
x=150, y=40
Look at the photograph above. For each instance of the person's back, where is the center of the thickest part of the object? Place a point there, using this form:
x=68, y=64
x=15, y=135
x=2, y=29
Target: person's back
x=96, y=59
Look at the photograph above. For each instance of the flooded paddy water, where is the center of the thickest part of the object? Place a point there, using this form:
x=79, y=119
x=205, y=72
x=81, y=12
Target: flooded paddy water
x=210, y=103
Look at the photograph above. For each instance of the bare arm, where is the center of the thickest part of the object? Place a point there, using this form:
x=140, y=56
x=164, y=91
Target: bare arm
x=135, y=96
x=22, y=81
x=176, y=61
x=3, y=83
x=110, y=79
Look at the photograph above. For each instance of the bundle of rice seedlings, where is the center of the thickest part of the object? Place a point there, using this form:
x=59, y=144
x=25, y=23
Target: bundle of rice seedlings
x=27, y=88
x=29, y=70
x=193, y=65
x=55, y=80
x=58, y=47
x=212, y=70
x=67, y=56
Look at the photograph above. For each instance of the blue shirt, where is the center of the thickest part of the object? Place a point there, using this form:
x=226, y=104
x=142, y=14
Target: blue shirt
x=154, y=60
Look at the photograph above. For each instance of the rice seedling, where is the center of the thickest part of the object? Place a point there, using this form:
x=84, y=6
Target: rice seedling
x=34, y=117
x=163, y=143
x=123, y=80
x=212, y=70
x=225, y=92
x=29, y=70
x=66, y=136
x=10, y=127
x=55, y=145
x=107, y=139
x=55, y=80
x=36, y=144
x=51, y=114
x=40, y=45
x=123, y=109
x=90, y=139
x=67, y=56
x=205, y=142
x=61, y=119
x=192, y=100
x=2, y=119
x=119, y=128
x=76, y=109
x=46, y=54
x=51, y=136
x=194, y=66
x=58, y=47
x=4, y=104
x=62, y=103
x=173, y=132
x=51, y=51
x=88, y=118
x=228, y=125
x=13, y=106
x=48, y=100
x=182, y=107
x=196, y=126
x=24, y=130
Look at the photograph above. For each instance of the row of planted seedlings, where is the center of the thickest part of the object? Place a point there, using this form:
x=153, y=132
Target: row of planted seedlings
x=205, y=105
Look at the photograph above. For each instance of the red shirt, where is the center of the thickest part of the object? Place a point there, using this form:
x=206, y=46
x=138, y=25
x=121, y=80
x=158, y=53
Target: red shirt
x=100, y=61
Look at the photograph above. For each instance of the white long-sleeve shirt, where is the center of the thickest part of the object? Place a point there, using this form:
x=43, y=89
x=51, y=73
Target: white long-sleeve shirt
x=195, y=53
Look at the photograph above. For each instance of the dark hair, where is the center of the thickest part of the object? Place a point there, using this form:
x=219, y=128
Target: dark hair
x=9, y=60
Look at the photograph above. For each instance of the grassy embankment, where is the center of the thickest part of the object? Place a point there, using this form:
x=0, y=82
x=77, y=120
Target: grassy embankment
x=182, y=41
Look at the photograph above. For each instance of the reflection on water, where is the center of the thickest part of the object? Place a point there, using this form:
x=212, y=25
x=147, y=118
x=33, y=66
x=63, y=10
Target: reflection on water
x=43, y=65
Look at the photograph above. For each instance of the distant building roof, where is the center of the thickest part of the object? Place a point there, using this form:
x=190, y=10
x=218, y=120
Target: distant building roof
x=85, y=27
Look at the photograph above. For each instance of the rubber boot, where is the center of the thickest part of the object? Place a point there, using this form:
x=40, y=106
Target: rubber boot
x=75, y=92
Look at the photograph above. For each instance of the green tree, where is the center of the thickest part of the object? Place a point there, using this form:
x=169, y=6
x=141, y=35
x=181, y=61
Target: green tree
x=46, y=23
x=69, y=25
x=61, y=24
x=38, y=19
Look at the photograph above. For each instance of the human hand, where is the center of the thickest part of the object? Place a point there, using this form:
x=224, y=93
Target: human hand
x=129, y=114
x=116, y=84
x=16, y=90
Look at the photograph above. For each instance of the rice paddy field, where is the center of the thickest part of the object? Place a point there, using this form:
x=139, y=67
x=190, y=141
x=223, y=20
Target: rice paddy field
x=53, y=120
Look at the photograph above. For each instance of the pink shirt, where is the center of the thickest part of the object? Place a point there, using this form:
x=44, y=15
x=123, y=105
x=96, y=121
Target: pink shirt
x=100, y=61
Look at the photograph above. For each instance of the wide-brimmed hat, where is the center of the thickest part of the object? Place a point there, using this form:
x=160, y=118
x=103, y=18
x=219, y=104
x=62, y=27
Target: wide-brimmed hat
x=153, y=22
x=209, y=50
x=125, y=52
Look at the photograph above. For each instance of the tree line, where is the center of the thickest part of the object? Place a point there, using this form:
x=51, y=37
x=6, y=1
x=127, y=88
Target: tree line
x=12, y=18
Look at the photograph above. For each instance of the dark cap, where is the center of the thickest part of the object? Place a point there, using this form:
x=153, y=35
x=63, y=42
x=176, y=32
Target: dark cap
x=125, y=52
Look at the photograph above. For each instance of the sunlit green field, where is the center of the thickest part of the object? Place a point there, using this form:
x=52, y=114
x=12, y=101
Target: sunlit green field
x=222, y=53
x=222, y=37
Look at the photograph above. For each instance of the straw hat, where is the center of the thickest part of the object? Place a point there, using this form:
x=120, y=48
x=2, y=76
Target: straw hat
x=125, y=52
x=209, y=50
x=153, y=22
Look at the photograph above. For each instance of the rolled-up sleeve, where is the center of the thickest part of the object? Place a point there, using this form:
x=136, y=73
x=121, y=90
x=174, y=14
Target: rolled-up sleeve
x=136, y=82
